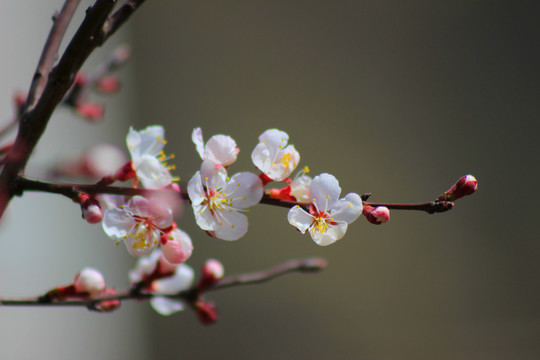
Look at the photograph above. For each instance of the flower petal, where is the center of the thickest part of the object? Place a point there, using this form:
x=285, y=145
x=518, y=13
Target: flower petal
x=332, y=234
x=166, y=306
x=181, y=280
x=178, y=248
x=245, y=188
x=232, y=225
x=195, y=189
x=116, y=224
x=197, y=139
x=152, y=173
x=299, y=218
x=149, y=141
x=221, y=149
x=348, y=208
x=325, y=190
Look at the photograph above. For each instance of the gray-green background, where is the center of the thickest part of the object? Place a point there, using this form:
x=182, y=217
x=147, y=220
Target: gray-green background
x=394, y=98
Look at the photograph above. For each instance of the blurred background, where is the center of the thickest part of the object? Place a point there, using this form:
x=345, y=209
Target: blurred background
x=397, y=99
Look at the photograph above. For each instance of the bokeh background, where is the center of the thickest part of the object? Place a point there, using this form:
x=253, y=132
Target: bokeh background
x=394, y=98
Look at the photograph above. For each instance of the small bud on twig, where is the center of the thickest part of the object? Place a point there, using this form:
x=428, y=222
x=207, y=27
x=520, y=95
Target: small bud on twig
x=466, y=185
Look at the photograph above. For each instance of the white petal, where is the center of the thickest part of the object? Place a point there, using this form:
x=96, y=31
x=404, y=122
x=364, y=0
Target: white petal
x=213, y=175
x=233, y=225
x=348, y=208
x=117, y=224
x=325, y=190
x=221, y=149
x=285, y=162
x=166, y=306
x=152, y=173
x=181, y=280
x=204, y=218
x=261, y=157
x=144, y=266
x=197, y=139
x=195, y=189
x=274, y=139
x=139, y=251
x=149, y=141
x=245, y=188
x=300, y=189
x=299, y=218
x=332, y=234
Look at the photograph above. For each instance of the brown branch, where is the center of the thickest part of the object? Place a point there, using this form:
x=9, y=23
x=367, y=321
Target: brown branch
x=120, y=16
x=303, y=266
x=34, y=121
x=50, y=50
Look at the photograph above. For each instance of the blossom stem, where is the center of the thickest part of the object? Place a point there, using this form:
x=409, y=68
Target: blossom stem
x=72, y=191
x=302, y=266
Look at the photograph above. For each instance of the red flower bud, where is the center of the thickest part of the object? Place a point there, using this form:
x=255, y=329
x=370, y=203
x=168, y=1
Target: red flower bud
x=90, y=111
x=378, y=215
x=466, y=185
x=206, y=312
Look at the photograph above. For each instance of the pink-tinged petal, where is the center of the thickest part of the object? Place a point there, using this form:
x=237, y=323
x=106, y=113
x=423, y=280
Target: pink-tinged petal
x=116, y=224
x=197, y=139
x=332, y=234
x=90, y=281
x=181, y=280
x=178, y=248
x=245, y=189
x=261, y=157
x=195, y=189
x=213, y=175
x=221, y=149
x=232, y=225
x=347, y=209
x=161, y=215
x=152, y=173
x=165, y=306
x=299, y=218
x=325, y=190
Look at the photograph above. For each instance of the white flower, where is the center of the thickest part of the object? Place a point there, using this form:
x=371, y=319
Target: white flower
x=182, y=279
x=273, y=157
x=300, y=186
x=148, y=158
x=329, y=216
x=171, y=280
x=140, y=224
x=221, y=149
x=217, y=200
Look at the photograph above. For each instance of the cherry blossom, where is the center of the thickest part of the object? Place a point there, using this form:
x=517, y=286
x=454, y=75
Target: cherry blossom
x=273, y=157
x=328, y=215
x=165, y=279
x=218, y=201
x=148, y=158
x=140, y=224
x=221, y=149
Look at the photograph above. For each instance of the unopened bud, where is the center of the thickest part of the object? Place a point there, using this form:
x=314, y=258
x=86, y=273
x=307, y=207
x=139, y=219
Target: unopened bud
x=206, y=312
x=212, y=271
x=466, y=185
x=108, y=305
x=108, y=84
x=90, y=111
x=378, y=215
x=91, y=211
x=126, y=172
x=178, y=248
x=89, y=281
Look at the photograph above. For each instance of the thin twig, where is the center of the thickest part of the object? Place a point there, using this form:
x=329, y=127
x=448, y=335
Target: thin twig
x=302, y=266
x=50, y=50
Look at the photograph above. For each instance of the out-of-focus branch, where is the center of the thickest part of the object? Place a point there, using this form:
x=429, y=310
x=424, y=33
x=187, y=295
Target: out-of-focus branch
x=50, y=50
x=303, y=266
x=90, y=34
x=120, y=16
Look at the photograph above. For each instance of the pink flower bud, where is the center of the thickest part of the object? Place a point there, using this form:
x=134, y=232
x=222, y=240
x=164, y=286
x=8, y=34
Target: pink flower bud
x=93, y=214
x=466, y=185
x=178, y=248
x=90, y=111
x=213, y=269
x=378, y=215
x=89, y=281
x=108, y=84
x=108, y=305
